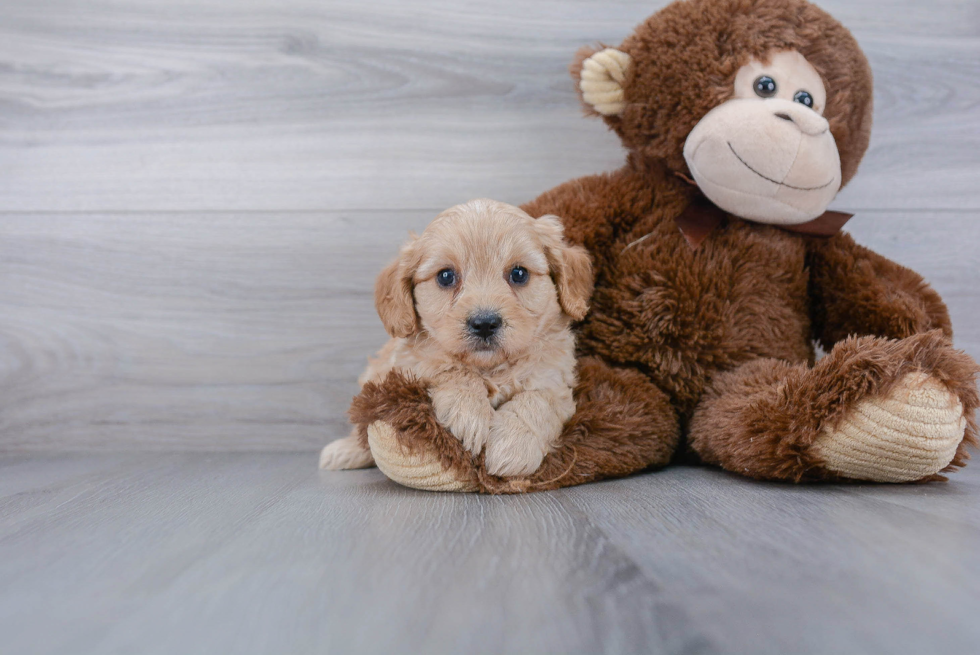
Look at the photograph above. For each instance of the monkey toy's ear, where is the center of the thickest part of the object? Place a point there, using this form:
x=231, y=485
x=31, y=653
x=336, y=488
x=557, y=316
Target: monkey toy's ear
x=600, y=76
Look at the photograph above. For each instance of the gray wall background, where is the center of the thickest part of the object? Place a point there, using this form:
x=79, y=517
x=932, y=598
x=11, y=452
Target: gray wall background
x=195, y=197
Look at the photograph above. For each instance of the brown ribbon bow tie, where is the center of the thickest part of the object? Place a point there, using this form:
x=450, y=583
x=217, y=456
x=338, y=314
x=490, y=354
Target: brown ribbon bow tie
x=702, y=216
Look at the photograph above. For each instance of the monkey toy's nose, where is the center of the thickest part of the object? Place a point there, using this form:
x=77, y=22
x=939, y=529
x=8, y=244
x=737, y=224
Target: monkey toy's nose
x=484, y=324
x=806, y=120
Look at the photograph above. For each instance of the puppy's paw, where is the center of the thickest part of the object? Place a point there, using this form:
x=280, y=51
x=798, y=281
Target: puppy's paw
x=345, y=453
x=467, y=419
x=514, y=449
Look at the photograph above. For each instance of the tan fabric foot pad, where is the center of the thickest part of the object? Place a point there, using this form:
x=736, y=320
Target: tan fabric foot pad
x=906, y=435
x=419, y=471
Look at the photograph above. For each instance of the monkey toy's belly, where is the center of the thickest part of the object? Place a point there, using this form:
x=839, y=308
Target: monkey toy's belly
x=681, y=314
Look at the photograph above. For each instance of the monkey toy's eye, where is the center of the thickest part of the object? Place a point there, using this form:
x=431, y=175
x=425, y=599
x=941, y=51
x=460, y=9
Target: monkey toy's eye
x=519, y=275
x=446, y=278
x=765, y=87
x=804, y=98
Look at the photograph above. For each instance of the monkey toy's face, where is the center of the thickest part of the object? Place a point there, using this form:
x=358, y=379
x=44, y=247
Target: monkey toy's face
x=766, y=104
x=767, y=154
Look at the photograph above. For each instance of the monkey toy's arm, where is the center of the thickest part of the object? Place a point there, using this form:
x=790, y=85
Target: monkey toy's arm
x=854, y=291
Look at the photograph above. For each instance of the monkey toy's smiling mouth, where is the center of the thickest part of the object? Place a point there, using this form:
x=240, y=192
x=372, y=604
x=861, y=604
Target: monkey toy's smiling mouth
x=764, y=177
x=769, y=161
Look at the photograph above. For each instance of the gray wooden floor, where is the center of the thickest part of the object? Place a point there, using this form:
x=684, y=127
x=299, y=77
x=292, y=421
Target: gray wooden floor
x=261, y=553
x=194, y=201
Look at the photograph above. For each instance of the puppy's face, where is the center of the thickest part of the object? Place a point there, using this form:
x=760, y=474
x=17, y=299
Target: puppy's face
x=485, y=280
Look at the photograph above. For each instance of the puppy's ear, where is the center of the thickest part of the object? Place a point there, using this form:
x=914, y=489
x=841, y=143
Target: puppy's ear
x=571, y=267
x=393, y=296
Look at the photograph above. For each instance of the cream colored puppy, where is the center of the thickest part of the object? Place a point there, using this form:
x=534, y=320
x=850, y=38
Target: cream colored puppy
x=479, y=306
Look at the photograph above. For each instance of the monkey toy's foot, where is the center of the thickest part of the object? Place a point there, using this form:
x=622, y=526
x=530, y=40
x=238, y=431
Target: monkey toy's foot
x=910, y=433
x=873, y=409
x=420, y=469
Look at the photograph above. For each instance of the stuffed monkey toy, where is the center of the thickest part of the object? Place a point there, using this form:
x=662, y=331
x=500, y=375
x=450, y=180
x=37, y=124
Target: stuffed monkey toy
x=717, y=270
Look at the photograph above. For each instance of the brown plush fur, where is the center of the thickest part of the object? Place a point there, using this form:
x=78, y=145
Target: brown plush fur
x=717, y=343
x=855, y=291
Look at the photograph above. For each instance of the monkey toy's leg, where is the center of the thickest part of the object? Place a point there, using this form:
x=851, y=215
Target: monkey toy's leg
x=873, y=409
x=622, y=424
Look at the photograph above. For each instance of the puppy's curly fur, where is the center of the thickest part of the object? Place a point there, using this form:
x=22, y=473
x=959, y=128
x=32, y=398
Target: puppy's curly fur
x=480, y=306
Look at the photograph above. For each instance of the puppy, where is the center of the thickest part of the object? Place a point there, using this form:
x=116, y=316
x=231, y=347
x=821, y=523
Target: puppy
x=479, y=306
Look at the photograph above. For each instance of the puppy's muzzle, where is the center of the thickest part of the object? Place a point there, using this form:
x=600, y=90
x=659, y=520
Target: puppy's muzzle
x=484, y=325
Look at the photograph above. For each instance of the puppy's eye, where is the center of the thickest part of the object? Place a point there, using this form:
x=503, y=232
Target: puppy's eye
x=765, y=87
x=446, y=278
x=519, y=275
x=804, y=98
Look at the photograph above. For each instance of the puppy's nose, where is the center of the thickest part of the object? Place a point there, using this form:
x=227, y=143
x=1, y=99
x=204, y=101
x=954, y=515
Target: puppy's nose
x=484, y=324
